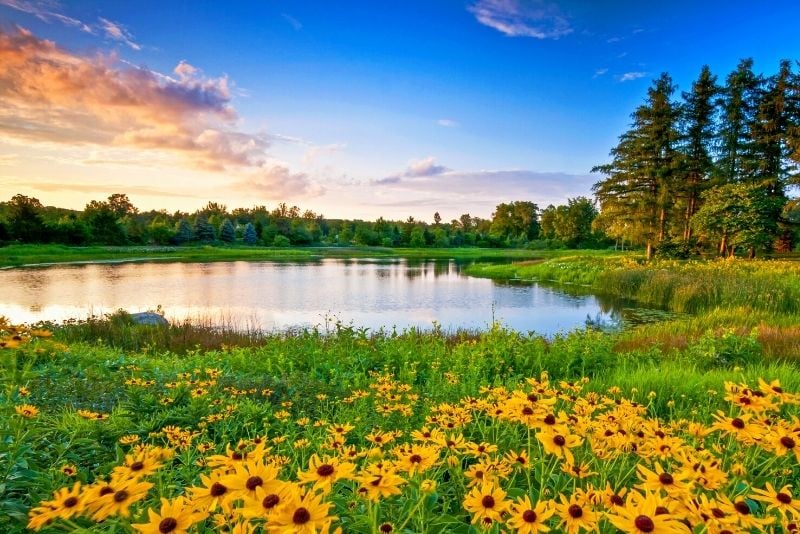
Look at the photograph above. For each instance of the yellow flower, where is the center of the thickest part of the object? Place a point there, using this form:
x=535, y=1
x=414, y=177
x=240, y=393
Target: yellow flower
x=118, y=503
x=28, y=411
x=324, y=472
x=575, y=516
x=248, y=476
x=69, y=470
x=175, y=517
x=379, y=482
x=559, y=444
x=487, y=501
x=306, y=515
x=527, y=518
x=646, y=514
x=781, y=500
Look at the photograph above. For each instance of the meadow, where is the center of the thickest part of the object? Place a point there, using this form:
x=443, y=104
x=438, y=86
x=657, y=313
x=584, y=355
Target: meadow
x=689, y=425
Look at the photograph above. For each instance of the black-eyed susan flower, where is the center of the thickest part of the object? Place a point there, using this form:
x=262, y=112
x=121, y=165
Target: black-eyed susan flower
x=646, y=514
x=301, y=515
x=486, y=501
x=529, y=518
x=29, y=411
x=323, y=472
x=575, y=515
x=174, y=517
x=780, y=500
x=559, y=444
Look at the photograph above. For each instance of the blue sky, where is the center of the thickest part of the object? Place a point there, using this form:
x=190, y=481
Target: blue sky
x=354, y=109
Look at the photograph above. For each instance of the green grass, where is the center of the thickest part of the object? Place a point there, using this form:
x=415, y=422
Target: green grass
x=18, y=255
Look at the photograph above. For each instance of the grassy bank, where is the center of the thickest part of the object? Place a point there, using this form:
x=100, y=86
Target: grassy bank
x=96, y=404
x=18, y=255
x=681, y=286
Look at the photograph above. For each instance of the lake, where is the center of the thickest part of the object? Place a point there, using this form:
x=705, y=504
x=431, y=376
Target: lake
x=394, y=293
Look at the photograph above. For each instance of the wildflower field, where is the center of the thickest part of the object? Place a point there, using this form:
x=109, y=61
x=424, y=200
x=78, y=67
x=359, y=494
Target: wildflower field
x=414, y=432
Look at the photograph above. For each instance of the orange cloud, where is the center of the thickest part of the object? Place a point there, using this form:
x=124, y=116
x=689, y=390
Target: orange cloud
x=49, y=94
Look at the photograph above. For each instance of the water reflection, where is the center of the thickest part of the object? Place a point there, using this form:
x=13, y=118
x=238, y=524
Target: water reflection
x=270, y=295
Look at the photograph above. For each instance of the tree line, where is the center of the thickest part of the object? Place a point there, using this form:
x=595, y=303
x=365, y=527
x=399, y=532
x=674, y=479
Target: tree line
x=116, y=221
x=709, y=171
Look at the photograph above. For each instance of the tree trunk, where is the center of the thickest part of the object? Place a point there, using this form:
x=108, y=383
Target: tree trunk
x=662, y=219
x=751, y=253
x=723, y=245
x=649, y=252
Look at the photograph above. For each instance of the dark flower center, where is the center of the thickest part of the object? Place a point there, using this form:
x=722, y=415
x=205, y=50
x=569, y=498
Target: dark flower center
x=550, y=419
x=301, y=516
x=666, y=479
x=121, y=496
x=719, y=514
x=386, y=527
x=559, y=440
x=788, y=442
x=742, y=508
x=105, y=490
x=137, y=466
x=527, y=410
x=661, y=510
x=72, y=501
x=529, y=516
x=254, y=482
x=737, y=423
x=487, y=501
x=784, y=498
x=168, y=524
x=616, y=500
x=575, y=511
x=533, y=398
x=217, y=489
x=325, y=470
x=270, y=501
x=415, y=458
x=644, y=523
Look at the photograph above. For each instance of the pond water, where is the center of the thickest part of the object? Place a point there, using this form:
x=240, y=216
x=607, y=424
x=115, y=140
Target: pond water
x=372, y=294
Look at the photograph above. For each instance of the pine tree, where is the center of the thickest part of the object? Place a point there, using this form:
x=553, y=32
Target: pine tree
x=227, y=232
x=203, y=230
x=698, y=134
x=638, y=195
x=184, y=234
x=740, y=99
x=250, y=237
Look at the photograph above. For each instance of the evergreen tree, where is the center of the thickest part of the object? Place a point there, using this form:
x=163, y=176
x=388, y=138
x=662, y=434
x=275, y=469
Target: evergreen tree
x=227, y=232
x=203, y=230
x=740, y=99
x=697, y=138
x=637, y=197
x=184, y=233
x=250, y=236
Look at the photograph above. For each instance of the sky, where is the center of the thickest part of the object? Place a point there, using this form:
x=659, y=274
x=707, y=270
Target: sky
x=350, y=109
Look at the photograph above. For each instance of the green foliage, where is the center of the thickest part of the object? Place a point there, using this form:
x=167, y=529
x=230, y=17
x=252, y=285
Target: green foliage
x=227, y=232
x=250, y=237
x=281, y=241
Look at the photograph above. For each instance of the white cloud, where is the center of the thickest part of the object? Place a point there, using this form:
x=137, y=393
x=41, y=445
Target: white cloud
x=541, y=19
x=293, y=22
x=630, y=76
x=600, y=72
x=116, y=31
x=448, y=123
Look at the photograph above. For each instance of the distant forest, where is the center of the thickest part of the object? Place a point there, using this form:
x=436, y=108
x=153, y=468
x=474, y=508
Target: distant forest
x=712, y=172
x=116, y=221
